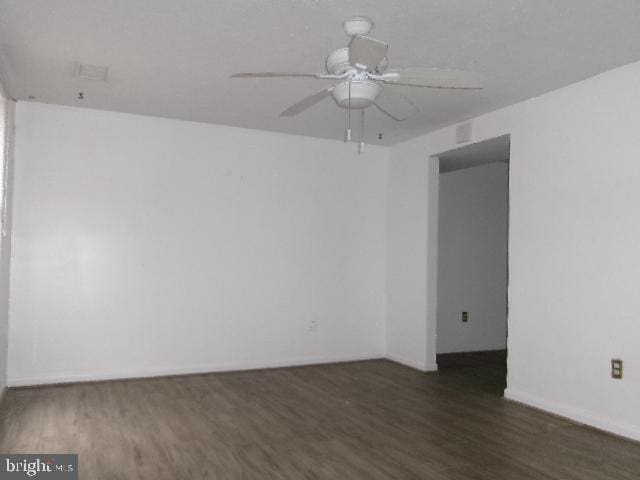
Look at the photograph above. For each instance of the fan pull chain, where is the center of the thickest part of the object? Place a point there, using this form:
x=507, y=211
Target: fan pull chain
x=361, y=144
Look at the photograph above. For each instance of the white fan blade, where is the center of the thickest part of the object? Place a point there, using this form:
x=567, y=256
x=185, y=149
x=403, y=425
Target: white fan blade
x=366, y=53
x=395, y=104
x=307, y=102
x=435, y=78
x=275, y=74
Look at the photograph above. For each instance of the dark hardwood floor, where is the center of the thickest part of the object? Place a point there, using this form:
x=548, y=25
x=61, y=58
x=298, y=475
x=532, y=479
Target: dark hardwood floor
x=484, y=372
x=363, y=420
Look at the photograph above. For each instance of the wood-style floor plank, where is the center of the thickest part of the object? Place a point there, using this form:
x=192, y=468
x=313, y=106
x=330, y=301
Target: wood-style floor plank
x=362, y=420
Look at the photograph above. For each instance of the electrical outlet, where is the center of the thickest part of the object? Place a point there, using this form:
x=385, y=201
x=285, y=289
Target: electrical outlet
x=465, y=317
x=313, y=325
x=616, y=368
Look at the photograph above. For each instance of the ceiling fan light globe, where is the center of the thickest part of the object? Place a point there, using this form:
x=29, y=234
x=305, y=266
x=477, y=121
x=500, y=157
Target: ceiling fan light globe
x=363, y=93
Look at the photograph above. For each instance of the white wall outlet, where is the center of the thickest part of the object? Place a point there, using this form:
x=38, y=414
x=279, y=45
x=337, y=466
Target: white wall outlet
x=313, y=325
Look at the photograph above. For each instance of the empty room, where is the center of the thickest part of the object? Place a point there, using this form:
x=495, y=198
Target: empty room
x=311, y=239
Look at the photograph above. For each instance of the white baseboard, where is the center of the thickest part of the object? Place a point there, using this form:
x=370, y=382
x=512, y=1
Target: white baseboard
x=578, y=415
x=423, y=367
x=77, y=377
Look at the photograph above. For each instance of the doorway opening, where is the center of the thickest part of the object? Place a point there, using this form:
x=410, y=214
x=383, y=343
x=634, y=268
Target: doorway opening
x=472, y=278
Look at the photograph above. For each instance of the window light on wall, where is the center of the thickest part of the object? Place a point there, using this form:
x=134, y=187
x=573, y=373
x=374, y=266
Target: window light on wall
x=5, y=147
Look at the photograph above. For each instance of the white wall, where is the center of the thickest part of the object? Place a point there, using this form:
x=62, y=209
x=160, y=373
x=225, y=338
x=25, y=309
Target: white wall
x=573, y=247
x=5, y=254
x=472, y=259
x=146, y=246
x=412, y=260
x=406, y=340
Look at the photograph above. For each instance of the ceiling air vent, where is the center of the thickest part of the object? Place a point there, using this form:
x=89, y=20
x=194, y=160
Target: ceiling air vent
x=463, y=133
x=91, y=72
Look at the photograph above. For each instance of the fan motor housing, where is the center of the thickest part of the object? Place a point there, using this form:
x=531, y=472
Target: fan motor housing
x=338, y=61
x=363, y=93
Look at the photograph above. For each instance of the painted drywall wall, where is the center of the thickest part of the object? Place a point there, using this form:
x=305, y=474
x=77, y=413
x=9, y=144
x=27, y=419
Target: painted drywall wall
x=412, y=254
x=411, y=266
x=472, y=259
x=573, y=246
x=146, y=246
x=5, y=247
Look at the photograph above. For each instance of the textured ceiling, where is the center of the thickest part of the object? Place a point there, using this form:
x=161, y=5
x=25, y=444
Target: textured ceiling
x=173, y=58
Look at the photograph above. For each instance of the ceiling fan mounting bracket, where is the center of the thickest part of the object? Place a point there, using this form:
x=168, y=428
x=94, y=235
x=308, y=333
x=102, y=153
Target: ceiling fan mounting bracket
x=358, y=25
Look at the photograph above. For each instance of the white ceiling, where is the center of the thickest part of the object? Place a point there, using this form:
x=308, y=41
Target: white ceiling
x=476, y=154
x=173, y=58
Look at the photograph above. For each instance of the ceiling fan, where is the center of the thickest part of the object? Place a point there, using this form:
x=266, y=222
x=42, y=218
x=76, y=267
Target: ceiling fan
x=363, y=77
